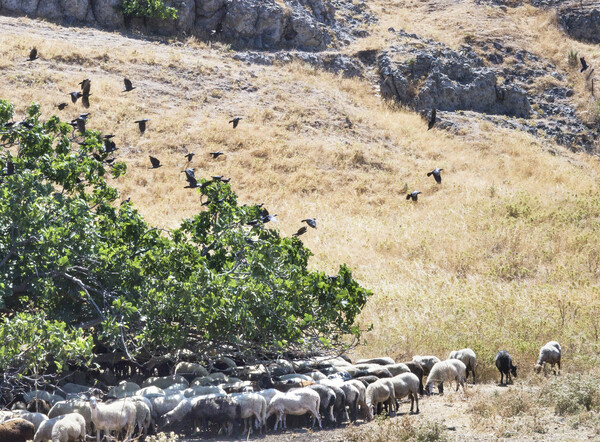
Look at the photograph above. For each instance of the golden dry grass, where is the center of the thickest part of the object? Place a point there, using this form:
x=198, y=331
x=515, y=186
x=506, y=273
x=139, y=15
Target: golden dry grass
x=504, y=254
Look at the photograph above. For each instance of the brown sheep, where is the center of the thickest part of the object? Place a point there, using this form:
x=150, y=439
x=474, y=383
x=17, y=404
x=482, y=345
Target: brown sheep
x=16, y=430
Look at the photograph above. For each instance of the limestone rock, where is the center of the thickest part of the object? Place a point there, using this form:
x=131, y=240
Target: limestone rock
x=51, y=9
x=107, y=14
x=582, y=23
x=76, y=9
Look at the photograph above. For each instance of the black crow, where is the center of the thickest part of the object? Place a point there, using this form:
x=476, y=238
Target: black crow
x=189, y=156
x=414, y=195
x=85, y=100
x=311, y=222
x=33, y=54
x=142, y=125
x=436, y=174
x=75, y=96
x=216, y=154
x=155, y=162
x=61, y=106
x=584, y=65
x=80, y=122
x=235, y=121
x=128, y=85
x=85, y=86
x=267, y=218
x=217, y=177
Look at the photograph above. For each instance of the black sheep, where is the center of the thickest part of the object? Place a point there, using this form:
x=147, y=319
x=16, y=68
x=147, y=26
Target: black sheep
x=505, y=366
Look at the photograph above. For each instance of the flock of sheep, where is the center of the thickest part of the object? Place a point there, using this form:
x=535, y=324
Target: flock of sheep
x=323, y=389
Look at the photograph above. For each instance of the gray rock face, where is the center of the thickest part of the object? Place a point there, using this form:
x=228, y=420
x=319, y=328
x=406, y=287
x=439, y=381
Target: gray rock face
x=581, y=23
x=51, y=9
x=29, y=6
x=76, y=9
x=106, y=13
x=449, y=81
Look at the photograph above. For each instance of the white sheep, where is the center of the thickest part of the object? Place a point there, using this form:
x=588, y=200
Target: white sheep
x=198, y=390
x=175, y=388
x=44, y=432
x=294, y=402
x=467, y=357
x=379, y=361
x=124, y=389
x=6, y=415
x=427, y=362
x=73, y=406
x=150, y=392
x=549, y=354
x=163, y=404
x=396, y=369
x=69, y=428
x=447, y=371
x=183, y=409
x=143, y=412
x=165, y=381
x=251, y=404
x=190, y=368
x=117, y=416
x=380, y=391
x=362, y=395
x=35, y=418
x=407, y=384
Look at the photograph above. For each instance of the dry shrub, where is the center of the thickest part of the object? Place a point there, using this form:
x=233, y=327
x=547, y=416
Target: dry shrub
x=406, y=428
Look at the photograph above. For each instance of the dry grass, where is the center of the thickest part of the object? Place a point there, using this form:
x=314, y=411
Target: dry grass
x=504, y=254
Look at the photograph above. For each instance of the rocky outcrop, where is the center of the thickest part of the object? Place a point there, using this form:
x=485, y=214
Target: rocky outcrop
x=581, y=20
x=260, y=24
x=447, y=80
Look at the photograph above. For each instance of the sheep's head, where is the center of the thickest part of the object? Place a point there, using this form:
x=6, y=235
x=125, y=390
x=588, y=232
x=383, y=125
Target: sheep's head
x=93, y=402
x=513, y=370
x=537, y=368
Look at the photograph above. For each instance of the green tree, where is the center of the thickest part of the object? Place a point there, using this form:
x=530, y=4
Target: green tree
x=223, y=280
x=148, y=9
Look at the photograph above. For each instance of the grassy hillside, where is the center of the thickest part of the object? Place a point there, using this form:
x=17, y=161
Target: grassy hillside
x=505, y=253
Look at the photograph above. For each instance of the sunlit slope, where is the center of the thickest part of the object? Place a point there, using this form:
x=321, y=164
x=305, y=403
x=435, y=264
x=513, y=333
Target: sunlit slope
x=505, y=253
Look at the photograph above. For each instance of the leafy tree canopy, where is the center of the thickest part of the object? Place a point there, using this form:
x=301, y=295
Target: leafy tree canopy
x=71, y=256
x=148, y=9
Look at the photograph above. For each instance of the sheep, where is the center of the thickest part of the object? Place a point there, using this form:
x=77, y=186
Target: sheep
x=351, y=397
x=366, y=380
x=143, y=412
x=16, y=430
x=449, y=370
x=251, y=404
x=165, y=381
x=183, y=409
x=379, y=361
x=268, y=394
x=417, y=370
x=124, y=389
x=295, y=402
x=221, y=409
x=380, y=392
x=175, y=388
x=198, y=390
x=40, y=394
x=551, y=354
x=467, y=356
x=44, y=432
x=35, y=418
x=505, y=366
x=73, y=406
x=327, y=400
x=38, y=406
x=163, y=404
x=362, y=395
x=113, y=417
x=342, y=375
x=316, y=375
x=407, y=384
x=339, y=408
x=6, y=415
x=396, y=369
x=427, y=362
x=150, y=392
x=190, y=368
x=69, y=428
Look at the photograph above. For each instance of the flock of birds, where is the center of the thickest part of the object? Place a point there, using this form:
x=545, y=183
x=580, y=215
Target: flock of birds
x=80, y=124
x=109, y=147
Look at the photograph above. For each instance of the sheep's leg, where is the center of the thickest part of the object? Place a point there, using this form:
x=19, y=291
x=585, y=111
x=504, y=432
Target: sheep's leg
x=473, y=375
x=317, y=417
x=502, y=377
x=417, y=402
x=284, y=421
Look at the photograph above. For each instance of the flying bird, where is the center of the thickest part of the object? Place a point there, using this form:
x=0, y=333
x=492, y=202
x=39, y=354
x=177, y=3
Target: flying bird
x=217, y=177
x=155, y=162
x=267, y=218
x=80, y=122
x=61, y=106
x=191, y=178
x=225, y=180
x=85, y=100
x=235, y=121
x=436, y=174
x=584, y=65
x=311, y=222
x=109, y=145
x=128, y=85
x=414, y=195
x=216, y=154
x=75, y=96
x=189, y=156
x=432, y=119
x=85, y=86
x=33, y=54
x=142, y=125
x=301, y=231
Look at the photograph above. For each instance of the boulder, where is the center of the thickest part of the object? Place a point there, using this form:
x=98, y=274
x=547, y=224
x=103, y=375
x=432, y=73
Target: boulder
x=106, y=13
x=581, y=23
x=51, y=9
x=76, y=9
